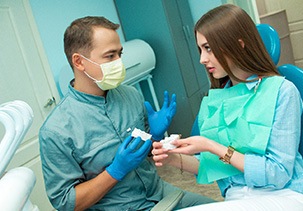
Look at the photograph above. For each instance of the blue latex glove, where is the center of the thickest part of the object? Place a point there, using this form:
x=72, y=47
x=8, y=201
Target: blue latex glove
x=128, y=158
x=160, y=121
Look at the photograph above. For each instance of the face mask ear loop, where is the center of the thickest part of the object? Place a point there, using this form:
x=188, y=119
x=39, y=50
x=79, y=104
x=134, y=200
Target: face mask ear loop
x=95, y=80
x=89, y=60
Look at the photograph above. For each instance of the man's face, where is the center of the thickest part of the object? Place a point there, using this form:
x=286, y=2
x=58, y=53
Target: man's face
x=106, y=48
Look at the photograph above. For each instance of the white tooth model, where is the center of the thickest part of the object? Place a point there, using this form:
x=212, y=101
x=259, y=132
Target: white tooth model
x=167, y=141
x=144, y=136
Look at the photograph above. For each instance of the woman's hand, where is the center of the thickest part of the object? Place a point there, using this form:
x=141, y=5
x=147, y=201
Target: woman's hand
x=160, y=155
x=187, y=146
x=191, y=145
x=174, y=158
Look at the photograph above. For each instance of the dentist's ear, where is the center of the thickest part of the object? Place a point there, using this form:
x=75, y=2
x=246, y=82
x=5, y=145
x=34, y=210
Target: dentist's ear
x=78, y=61
x=241, y=43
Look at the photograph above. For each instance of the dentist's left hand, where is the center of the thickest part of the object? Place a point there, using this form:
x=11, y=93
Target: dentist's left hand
x=160, y=121
x=128, y=158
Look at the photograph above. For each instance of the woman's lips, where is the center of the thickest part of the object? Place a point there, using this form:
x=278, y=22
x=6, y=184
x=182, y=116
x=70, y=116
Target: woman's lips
x=211, y=69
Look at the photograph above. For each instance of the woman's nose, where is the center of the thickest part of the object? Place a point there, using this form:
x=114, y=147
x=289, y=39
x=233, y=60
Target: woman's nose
x=203, y=59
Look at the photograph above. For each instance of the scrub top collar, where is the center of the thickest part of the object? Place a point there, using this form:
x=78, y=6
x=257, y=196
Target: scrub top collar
x=86, y=98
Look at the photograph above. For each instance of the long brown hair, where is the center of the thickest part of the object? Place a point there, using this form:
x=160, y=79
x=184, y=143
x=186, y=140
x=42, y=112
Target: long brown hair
x=223, y=27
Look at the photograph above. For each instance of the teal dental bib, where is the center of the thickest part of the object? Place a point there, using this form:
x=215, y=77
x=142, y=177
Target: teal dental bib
x=236, y=117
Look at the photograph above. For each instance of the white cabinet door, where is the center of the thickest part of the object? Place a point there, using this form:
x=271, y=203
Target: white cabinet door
x=25, y=75
x=249, y=6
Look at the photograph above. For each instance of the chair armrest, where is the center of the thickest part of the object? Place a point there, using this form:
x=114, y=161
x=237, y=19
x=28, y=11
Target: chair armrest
x=15, y=188
x=169, y=201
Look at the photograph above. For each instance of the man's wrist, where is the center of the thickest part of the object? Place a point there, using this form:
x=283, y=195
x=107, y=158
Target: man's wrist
x=157, y=138
x=117, y=175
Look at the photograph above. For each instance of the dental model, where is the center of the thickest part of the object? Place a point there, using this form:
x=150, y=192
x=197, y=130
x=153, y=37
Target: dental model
x=144, y=136
x=167, y=141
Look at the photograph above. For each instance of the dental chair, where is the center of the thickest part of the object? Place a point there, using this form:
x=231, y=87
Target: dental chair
x=291, y=72
x=169, y=202
x=16, y=184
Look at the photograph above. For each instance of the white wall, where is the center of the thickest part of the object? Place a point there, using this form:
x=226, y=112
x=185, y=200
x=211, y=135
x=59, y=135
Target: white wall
x=294, y=14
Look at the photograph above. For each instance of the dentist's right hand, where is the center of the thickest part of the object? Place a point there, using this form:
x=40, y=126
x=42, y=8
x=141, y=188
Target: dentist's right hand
x=128, y=157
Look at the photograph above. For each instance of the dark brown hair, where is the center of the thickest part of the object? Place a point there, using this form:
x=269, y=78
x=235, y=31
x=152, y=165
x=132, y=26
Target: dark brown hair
x=223, y=27
x=78, y=37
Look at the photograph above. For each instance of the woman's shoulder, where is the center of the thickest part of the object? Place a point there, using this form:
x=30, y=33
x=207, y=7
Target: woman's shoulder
x=288, y=87
x=288, y=92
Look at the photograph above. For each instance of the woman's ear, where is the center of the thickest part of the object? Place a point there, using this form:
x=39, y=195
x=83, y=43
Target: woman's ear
x=241, y=43
x=78, y=61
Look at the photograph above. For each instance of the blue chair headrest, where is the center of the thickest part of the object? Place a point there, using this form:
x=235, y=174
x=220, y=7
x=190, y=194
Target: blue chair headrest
x=271, y=41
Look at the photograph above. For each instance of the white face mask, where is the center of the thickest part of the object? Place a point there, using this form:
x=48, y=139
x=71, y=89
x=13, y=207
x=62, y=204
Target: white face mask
x=113, y=74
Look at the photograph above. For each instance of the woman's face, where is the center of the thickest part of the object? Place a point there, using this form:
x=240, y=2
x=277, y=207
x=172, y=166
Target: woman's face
x=208, y=58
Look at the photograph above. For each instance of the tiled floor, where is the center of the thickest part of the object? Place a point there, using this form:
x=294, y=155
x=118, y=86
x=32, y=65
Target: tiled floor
x=187, y=182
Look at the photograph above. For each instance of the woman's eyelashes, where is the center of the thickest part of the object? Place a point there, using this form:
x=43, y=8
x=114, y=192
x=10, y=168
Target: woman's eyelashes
x=207, y=48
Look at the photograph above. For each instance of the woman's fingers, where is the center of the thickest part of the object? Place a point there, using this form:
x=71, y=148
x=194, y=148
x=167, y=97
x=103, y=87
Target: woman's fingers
x=161, y=151
x=159, y=159
x=157, y=145
x=157, y=149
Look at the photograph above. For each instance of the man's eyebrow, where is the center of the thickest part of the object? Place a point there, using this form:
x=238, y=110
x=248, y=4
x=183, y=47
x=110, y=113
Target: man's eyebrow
x=113, y=51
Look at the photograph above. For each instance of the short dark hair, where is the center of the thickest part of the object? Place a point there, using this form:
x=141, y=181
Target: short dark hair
x=78, y=37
